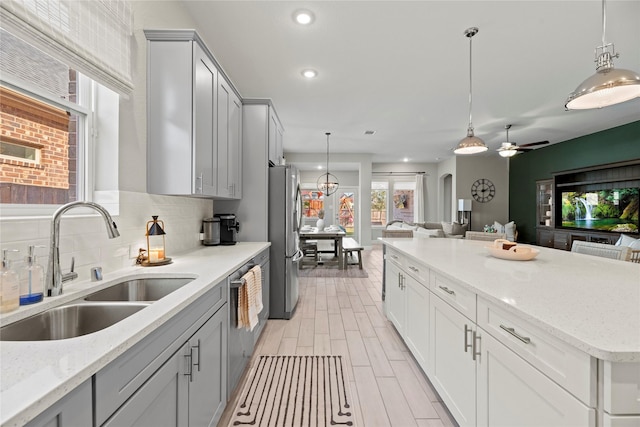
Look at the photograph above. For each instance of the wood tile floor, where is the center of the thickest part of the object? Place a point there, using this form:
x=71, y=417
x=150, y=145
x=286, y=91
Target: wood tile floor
x=346, y=316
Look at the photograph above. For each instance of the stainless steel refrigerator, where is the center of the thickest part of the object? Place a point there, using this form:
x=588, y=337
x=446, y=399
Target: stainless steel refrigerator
x=285, y=210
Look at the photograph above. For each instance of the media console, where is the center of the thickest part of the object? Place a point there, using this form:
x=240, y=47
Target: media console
x=559, y=224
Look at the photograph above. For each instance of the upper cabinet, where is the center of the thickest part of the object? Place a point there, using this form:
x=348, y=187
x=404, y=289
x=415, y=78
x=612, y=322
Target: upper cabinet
x=229, y=141
x=276, y=134
x=194, y=123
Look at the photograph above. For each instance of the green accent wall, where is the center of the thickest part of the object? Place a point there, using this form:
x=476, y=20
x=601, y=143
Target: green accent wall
x=609, y=146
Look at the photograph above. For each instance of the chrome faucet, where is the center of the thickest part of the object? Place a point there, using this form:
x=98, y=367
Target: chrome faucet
x=55, y=278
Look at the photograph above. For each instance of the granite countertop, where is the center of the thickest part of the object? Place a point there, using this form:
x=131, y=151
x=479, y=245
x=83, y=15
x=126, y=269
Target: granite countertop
x=589, y=302
x=34, y=375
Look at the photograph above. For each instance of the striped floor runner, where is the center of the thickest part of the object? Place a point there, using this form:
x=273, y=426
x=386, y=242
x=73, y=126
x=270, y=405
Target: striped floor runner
x=292, y=391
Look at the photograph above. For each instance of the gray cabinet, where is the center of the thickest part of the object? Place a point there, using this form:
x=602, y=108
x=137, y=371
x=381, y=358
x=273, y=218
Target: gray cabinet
x=182, y=85
x=194, y=120
x=261, y=130
x=189, y=389
x=75, y=409
x=161, y=401
x=276, y=135
x=180, y=370
x=229, y=142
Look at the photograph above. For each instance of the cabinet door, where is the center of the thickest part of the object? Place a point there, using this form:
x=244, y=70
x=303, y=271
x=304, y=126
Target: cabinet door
x=545, y=238
x=204, y=144
x=452, y=366
x=417, y=320
x=561, y=241
x=208, y=379
x=235, y=146
x=395, y=296
x=75, y=409
x=512, y=392
x=275, y=137
x=161, y=401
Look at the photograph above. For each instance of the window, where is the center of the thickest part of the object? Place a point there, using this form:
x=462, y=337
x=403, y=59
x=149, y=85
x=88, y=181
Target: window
x=312, y=202
x=403, y=200
x=47, y=113
x=379, y=197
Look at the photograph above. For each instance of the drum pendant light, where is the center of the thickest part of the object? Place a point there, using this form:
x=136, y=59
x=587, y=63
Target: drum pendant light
x=471, y=144
x=327, y=183
x=608, y=86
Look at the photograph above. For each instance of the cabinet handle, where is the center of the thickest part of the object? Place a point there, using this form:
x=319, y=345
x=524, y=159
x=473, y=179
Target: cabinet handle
x=475, y=351
x=513, y=332
x=412, y=268
x=198, y=347
x=394, y=257
x=199, y=188
x=399, y=285
x=190, y=357
x=403, y=285
x=466, y=342
x=447, y=290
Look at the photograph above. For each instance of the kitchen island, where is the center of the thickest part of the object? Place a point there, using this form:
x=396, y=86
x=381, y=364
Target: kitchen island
x=36, y=375
x=553, y=341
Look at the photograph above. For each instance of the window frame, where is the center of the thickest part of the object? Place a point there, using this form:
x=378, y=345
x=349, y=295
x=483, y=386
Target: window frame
x=83, y=109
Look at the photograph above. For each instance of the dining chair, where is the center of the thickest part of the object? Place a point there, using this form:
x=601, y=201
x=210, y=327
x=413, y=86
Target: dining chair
x=602, y=250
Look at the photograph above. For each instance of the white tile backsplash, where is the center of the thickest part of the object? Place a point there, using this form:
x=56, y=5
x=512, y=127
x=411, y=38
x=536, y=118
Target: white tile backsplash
x=85, y=237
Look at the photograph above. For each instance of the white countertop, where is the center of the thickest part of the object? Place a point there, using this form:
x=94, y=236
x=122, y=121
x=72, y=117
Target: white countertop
x=589, y=302
x=34, y=375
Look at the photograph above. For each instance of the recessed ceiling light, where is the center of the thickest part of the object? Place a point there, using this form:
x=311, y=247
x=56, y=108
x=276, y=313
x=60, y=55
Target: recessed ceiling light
x=319, y=167
x=406, y=159
x=303, y=17
x=309, y=73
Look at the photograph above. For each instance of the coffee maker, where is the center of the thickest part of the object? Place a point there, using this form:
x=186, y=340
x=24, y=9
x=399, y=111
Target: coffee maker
x=229, y=228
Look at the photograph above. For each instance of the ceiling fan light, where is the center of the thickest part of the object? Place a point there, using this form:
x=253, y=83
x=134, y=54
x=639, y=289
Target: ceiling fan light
x=507, y=153
x=606, y=87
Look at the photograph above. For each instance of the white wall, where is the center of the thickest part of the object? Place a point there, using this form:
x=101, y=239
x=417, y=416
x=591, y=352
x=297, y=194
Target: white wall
x=494, y=168
x=85, y=237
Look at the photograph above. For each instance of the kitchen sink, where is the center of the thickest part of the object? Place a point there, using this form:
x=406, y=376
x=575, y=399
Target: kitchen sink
x=69, y=321
x=147, y=289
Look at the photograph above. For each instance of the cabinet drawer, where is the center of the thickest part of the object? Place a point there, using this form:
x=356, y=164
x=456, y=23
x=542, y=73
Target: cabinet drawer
x=459, y=297
x=418, y=270
x=617, y=421
x=567, y=366
x=116, y=382
x=622, y=388
x=395, y=257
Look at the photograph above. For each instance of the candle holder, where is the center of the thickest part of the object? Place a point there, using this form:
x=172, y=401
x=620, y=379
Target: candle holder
x=155, y=244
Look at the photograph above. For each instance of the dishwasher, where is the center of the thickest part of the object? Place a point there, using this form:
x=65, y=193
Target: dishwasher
x=241, y=342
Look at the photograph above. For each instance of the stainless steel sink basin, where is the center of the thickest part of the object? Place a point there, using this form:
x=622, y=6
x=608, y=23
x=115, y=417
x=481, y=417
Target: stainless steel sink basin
x=69, y=321
x=147, y=289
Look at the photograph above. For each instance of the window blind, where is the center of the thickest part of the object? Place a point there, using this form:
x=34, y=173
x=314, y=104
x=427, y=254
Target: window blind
x=92, y=36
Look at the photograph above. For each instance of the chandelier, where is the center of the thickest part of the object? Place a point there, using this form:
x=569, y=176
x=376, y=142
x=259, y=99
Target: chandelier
x=327, y=183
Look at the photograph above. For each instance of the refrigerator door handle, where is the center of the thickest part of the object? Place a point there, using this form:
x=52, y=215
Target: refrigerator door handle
x=298, y=256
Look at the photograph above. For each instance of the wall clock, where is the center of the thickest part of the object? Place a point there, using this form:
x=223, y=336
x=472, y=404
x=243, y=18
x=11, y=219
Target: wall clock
x=483, y=190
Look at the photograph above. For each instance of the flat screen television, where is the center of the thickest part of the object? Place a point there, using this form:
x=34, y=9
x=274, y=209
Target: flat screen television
x=614, y=210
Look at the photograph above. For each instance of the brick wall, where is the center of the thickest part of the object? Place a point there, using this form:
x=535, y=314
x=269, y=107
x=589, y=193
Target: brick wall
x=28, y=122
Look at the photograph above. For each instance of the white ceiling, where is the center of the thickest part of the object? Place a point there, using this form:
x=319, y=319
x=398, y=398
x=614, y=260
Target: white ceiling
x=401, y=68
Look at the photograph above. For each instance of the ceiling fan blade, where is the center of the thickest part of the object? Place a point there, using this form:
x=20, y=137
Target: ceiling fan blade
x=533, y=144
x=523, y=149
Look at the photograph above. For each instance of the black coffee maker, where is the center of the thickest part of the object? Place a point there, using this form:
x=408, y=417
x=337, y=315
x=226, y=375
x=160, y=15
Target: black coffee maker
x=229, y=228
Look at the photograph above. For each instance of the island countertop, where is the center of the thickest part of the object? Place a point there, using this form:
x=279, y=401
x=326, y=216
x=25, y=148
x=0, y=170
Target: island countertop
x=35, y=374
x=589, y=302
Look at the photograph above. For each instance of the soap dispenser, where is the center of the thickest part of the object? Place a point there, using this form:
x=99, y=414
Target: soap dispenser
x=31, y=279
x=9, y=285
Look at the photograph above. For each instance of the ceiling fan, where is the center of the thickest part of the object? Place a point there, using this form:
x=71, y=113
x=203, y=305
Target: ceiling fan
x=509, y=149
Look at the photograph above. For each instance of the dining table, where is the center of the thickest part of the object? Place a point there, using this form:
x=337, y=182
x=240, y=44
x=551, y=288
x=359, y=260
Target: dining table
x=328, y=233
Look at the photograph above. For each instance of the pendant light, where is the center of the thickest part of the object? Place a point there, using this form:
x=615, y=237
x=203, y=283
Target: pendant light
x=327, y=183
x=608, y=86
x=471, y=144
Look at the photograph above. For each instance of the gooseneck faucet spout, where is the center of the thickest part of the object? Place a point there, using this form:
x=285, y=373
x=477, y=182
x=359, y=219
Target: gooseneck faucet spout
x=55, y=277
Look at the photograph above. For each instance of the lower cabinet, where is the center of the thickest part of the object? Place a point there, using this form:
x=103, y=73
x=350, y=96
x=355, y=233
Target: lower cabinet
x=511, y=392
x=189, y=389
x=395, y=296
x=417, y=320
x=75, y=409
x=452, y=360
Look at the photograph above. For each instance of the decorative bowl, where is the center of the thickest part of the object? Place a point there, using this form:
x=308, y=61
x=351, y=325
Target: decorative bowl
x=515, y=253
